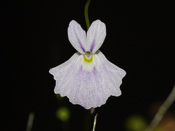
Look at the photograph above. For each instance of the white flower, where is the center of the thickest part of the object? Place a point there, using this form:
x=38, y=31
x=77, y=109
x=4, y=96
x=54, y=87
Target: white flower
x=87, y=78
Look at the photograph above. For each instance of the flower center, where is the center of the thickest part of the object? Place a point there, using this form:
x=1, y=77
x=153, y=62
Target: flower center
x=88, y=57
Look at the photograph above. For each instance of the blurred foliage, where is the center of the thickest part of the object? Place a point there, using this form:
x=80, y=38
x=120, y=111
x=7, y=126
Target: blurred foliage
x=135, y=123
x=59, y=97
x=63, y=114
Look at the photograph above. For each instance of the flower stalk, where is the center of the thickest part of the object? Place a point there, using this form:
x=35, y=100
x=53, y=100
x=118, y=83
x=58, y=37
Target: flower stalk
x=95, y=119
x=86, y=14
x=162, y=111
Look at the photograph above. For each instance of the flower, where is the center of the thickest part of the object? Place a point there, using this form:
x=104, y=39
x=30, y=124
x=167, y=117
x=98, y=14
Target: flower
x=87, y=78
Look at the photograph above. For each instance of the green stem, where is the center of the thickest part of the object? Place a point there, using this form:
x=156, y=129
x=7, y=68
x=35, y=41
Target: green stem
x=162, y=110
x=30, y=121
x=95, y=119
x=86, y=13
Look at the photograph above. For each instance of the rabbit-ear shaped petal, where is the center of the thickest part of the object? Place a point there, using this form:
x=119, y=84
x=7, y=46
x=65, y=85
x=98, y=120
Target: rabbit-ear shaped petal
x=77, y=36
x=95, y=36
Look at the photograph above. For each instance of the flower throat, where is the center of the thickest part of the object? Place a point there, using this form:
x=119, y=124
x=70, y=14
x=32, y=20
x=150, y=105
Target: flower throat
x=88, y=57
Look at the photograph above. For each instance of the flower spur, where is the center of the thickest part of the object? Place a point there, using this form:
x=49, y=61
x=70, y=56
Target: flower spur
x=87, y=78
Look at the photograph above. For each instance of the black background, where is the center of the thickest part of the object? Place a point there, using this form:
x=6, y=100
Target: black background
x=140, y=39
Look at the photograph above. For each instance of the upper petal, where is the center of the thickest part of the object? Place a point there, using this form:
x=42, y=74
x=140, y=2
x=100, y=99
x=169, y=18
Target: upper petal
x=95, y=36
x=77, y=36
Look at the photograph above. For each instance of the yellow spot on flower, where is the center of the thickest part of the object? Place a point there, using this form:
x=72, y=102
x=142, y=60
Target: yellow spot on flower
x=88, y=59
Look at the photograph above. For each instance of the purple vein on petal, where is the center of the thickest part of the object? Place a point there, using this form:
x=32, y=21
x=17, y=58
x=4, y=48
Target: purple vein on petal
x=94, y=71
x=92, y=46
x=81, y=46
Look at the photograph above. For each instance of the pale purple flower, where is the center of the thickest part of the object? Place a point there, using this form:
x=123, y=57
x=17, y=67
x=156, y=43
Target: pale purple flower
x=87, y=78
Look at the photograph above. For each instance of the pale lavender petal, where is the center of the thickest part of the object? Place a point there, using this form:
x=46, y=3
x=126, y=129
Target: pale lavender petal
x=88, y=84
x=77, y=36
x=95, y=36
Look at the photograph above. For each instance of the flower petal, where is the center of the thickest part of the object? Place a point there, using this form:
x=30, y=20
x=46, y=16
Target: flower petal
x=95, y=36
x=77, y=36
x=88, y=84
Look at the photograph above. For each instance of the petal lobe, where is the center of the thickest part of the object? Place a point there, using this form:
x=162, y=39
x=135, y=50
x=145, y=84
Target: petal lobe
x=95, y=36
x=77, y=36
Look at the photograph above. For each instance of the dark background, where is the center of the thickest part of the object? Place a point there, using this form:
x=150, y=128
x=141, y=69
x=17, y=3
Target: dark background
x=140, y=39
